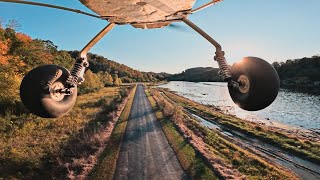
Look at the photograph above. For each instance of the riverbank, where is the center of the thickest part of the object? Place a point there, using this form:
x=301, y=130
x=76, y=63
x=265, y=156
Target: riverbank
x=305, y=147
x=227, y=159
x=189, y=158
x=291, y=108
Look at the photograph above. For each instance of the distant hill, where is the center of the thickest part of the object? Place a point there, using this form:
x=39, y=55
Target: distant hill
x=99, y=63
x=163, y=74
x=198, y=74
x=300, y=74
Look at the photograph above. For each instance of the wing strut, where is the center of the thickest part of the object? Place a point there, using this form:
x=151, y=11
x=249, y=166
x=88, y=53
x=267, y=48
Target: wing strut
x=213, y=2
x=51, y=6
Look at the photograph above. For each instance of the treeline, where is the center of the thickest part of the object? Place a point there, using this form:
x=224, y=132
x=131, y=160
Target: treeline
x=100, y=64
x=300, y=74
x=198, y=74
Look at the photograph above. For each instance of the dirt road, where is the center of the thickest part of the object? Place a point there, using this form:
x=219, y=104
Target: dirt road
x=145, y=152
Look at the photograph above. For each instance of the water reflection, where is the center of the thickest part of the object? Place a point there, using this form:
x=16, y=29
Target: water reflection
x=297, y=109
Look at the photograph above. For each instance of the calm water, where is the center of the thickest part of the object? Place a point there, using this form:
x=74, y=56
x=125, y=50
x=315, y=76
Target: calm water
x=295, y=109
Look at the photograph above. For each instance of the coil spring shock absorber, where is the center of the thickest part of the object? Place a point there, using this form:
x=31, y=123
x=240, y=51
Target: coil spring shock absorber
x=77, y=72
x=225, y=70
x=223, y=66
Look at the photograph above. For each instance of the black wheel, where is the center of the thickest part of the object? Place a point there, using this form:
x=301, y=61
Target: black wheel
x=39, y=91
x=258, y=84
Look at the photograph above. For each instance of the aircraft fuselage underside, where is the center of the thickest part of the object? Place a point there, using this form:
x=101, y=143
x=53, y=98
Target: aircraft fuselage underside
x=141, y=14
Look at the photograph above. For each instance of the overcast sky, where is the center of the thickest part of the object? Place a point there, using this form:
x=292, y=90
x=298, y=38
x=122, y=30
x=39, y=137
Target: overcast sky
x=275, y=30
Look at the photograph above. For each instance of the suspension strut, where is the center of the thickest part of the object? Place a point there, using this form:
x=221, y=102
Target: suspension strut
x=79, y=67
x=219, y=57
x=77, y=72
x=223, y=66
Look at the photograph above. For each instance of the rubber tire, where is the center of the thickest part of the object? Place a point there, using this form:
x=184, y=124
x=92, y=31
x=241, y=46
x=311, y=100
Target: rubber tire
x=34, y=92
x=264, y=83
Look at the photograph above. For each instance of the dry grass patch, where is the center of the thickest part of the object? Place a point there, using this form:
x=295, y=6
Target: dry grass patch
x=30, y=144
x=106, y=165
x=220, y=152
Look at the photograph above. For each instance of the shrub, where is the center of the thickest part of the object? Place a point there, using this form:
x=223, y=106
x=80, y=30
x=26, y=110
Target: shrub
x=106, y=78
x=92, y=83
x=9, y=98
x=177, y=116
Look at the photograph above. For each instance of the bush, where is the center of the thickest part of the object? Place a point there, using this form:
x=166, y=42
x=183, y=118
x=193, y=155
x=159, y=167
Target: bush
x=177, y=116
x=9, y=97
x=92, y=83
x=106, y=78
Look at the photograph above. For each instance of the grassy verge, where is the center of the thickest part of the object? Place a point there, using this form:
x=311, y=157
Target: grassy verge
x=36, y=147
x=106, y=165
x=302, y=148
x=246, y=162
x=190, y=161
x=221, y=150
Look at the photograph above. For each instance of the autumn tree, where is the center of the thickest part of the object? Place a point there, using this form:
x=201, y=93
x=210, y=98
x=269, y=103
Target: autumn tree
x=106, y=78
x=116, y=80
x=92, y=83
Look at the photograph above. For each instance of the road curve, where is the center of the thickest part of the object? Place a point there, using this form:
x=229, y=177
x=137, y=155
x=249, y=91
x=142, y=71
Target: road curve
x=145, y=152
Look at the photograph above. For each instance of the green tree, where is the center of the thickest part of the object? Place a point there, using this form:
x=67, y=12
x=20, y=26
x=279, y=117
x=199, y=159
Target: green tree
x=64, y=59
x=9, y=93
x=106, y=78
x=117, y=82
x=126, y=80
x=91, y=83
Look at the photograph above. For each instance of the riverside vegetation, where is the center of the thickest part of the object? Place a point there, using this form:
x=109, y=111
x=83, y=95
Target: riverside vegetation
x=189, y=159
x=303, y=148
x=226, y=159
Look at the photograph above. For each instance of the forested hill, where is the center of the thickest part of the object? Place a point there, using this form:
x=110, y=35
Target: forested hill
x=198, y=74
x=19, y=53
x=300, y=74
x=126, y=74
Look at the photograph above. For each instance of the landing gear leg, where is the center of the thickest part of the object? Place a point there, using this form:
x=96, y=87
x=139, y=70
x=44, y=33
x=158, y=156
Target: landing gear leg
x=50, y=91
x=252, y=82
x=82, y=63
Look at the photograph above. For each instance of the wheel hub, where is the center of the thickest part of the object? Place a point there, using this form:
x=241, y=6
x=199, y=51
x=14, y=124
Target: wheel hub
x=56, y=91
x=244, y=84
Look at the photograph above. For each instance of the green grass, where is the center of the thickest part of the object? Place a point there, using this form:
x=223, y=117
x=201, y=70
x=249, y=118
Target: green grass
x=190, y=161
x=106, y=165
x=247, y=163
x=303, y=149
x=31, y=146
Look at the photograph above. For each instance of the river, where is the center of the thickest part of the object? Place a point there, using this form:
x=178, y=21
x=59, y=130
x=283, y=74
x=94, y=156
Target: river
x=290, y=108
